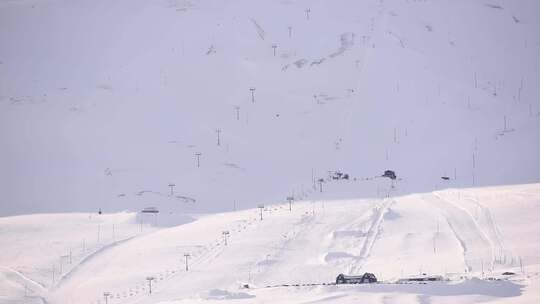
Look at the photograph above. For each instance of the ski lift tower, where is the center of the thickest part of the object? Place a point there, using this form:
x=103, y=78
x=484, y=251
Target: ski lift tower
x=106, y=295
x=187, y=256
x=261, y=207
x=150, y=279
x=290, y=199
x=198, y=155
x=172, y=185
x=225, y=236
x=252, y=89
x=321, y=181
x=150, y=210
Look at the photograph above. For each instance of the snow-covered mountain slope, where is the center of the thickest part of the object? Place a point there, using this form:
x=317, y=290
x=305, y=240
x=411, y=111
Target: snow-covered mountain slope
x=104, y=103
x=466, y=235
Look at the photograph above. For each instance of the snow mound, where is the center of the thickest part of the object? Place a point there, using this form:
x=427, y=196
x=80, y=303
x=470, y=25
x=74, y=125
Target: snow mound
x=220, y=294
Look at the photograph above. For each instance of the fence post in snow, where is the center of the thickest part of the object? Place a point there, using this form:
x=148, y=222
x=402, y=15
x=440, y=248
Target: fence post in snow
x=520, y=89
x=252, y=89
x=225, y=235
x=218, y=131
x=473, y=168
x=237, y=108
x=198, y=155
x=482, y=261
x=187, y=256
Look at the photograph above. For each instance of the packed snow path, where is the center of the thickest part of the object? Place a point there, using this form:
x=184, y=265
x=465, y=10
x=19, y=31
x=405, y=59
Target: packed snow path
x=477, y=248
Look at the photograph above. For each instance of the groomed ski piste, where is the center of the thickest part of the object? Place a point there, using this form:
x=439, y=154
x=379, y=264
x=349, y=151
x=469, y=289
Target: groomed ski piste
x=470, y=237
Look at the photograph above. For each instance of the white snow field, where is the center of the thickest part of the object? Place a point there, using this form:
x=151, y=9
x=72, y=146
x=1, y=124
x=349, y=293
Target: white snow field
x=469, y=236
x=104, y=103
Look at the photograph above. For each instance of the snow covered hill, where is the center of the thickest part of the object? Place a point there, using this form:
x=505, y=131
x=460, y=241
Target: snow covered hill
x=206, y=109
x=104, y=103
x=469, y=236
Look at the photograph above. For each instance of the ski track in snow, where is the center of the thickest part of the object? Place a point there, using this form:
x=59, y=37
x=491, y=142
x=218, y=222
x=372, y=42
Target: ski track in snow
x=486, y=224
x=37, y=287
x=477, y=247
x=376, y=219
x=492, y=229
x=68, y=275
